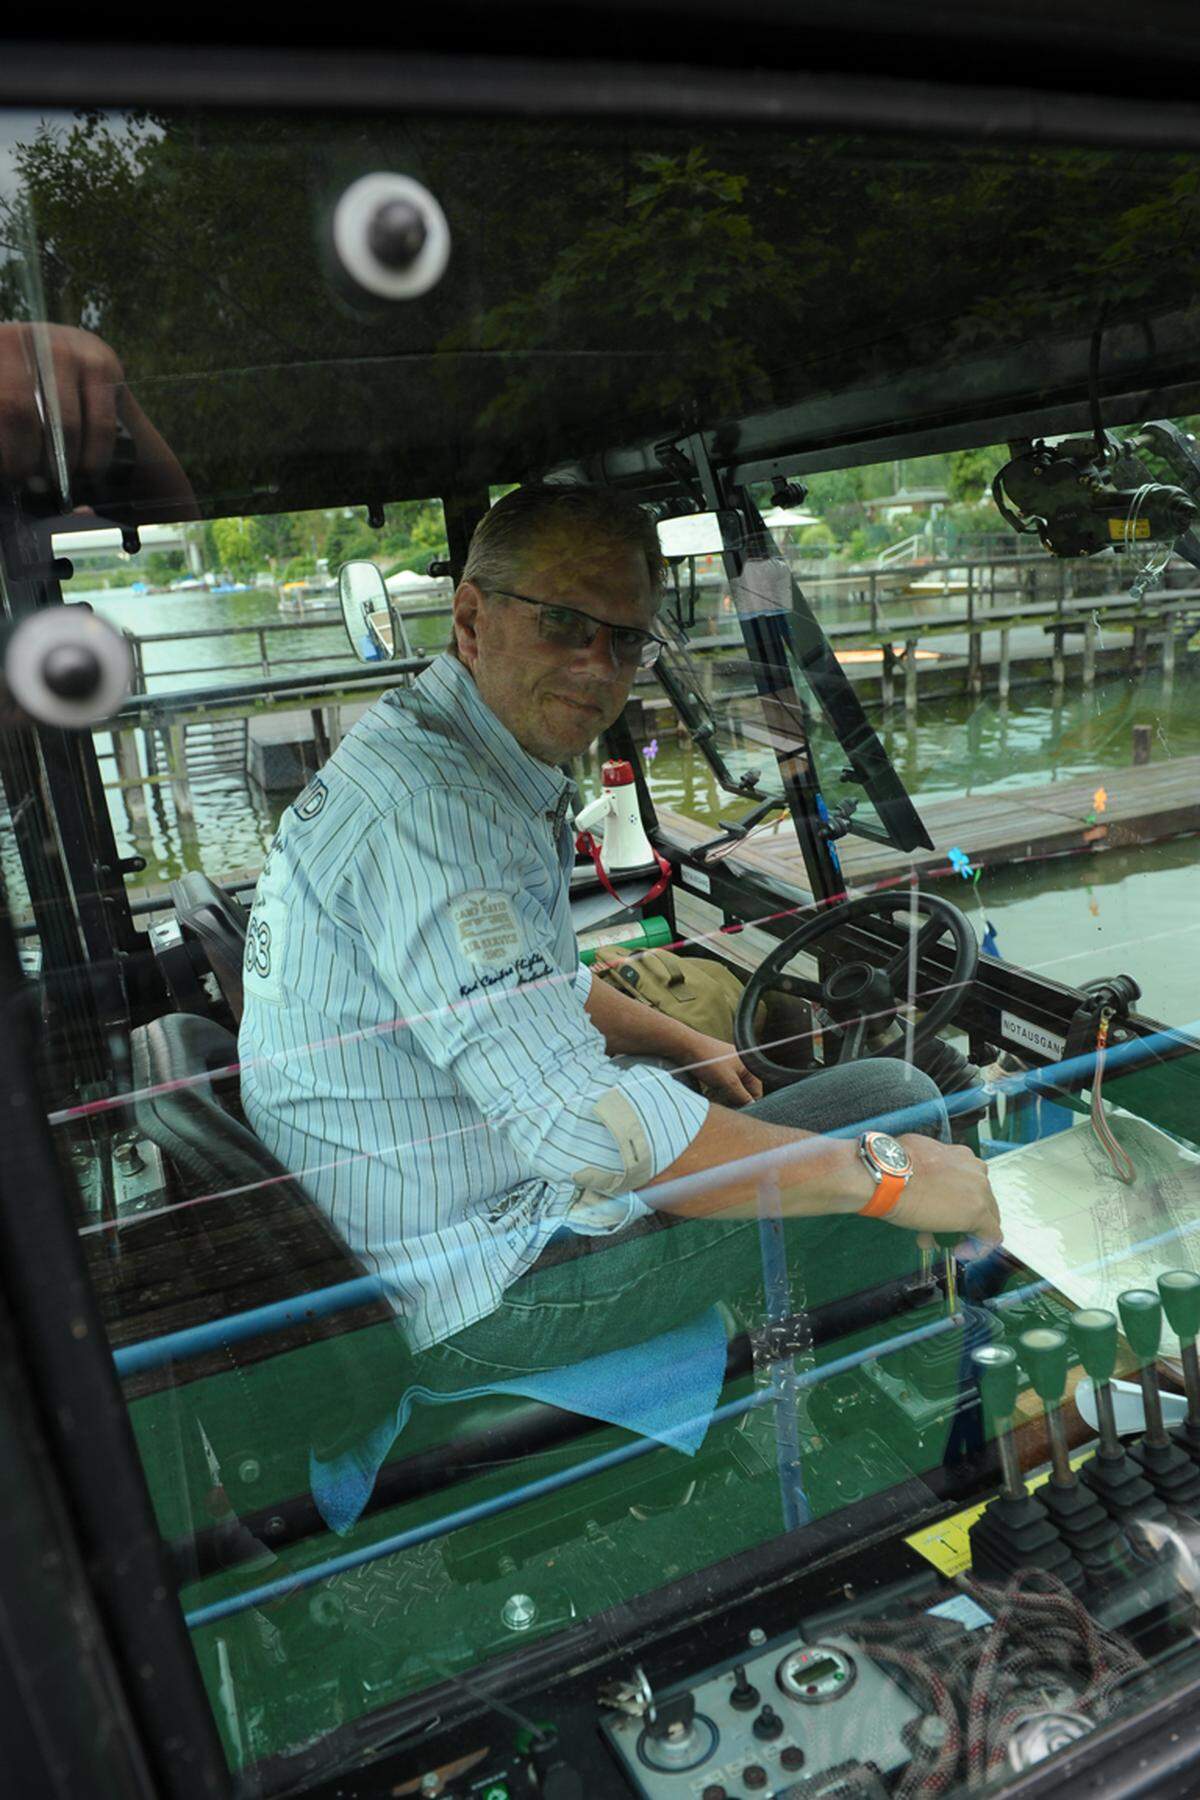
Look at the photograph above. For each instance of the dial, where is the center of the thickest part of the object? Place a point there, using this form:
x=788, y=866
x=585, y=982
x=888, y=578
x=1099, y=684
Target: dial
x=816, y=1674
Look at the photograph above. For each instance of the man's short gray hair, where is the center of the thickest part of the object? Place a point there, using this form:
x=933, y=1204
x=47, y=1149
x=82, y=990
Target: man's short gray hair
x=506, y=533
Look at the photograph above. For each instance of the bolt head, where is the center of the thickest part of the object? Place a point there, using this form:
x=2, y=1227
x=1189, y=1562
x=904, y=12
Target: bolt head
x=519, y=1612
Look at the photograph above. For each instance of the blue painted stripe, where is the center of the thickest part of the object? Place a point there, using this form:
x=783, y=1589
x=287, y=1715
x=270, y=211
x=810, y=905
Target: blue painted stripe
x=177, y=1346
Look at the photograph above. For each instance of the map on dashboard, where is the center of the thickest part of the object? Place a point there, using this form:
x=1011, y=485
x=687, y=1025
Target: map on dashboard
x=1067, y=1215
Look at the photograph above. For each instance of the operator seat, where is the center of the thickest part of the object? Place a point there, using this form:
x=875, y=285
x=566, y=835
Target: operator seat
x=254, y=1234
x=219, y=922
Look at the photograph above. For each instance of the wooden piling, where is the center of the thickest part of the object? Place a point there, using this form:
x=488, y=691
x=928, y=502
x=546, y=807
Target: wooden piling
x=1142, y=738
x=887, y=680
x=1004, y=675
x=1089, y=655
x=1057, y=666
x=129, y=774
x=975, y=664
x=1168, y=650
x=1138, y=659
x=178, y=771
x=910, y=675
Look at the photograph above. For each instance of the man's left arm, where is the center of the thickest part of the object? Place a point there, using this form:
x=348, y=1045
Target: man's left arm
x=630, y=1028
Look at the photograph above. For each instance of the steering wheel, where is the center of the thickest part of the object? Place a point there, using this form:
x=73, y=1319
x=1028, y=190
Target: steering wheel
x=860, y=997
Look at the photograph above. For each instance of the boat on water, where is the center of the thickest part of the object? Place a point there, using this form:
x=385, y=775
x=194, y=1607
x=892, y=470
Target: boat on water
x=311, y=596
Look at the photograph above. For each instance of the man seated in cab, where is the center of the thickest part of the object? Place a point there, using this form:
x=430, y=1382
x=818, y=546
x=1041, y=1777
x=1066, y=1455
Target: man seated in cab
x=423, y=1048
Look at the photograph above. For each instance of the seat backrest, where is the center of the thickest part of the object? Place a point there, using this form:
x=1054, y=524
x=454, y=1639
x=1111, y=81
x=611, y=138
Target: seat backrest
x=198, y=1124
x=219, y=921
x=258, y=1236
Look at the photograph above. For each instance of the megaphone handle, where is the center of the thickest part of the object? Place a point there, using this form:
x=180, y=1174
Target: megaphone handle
x=586, y=844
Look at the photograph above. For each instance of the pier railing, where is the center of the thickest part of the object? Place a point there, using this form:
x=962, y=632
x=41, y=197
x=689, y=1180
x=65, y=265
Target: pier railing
x=962, y=588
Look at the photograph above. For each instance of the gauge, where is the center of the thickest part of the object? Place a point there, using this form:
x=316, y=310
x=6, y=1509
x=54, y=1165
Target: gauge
x=816, y=1674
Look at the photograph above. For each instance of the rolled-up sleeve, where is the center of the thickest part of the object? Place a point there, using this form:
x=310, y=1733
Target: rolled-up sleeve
x=446, y=889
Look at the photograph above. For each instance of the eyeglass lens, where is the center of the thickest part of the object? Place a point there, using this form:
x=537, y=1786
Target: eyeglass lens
x=562, y=626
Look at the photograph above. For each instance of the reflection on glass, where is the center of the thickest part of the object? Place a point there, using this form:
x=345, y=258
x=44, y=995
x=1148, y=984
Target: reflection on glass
x=421, y=1367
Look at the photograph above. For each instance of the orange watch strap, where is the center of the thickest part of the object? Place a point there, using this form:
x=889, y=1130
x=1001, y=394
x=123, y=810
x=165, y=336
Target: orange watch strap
x=888, y=1191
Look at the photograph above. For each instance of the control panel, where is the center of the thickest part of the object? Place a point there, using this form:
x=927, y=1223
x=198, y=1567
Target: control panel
x=771, y=1725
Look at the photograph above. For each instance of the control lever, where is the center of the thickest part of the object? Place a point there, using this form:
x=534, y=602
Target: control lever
x=1014, y=1531
x=1087, y=1529
x=948, y=1242
x=1179, y=1290
x=1171, y=1473
x=1113, y=1477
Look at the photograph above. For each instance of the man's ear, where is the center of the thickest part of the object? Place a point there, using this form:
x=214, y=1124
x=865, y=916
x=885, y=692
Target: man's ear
x=467, y=601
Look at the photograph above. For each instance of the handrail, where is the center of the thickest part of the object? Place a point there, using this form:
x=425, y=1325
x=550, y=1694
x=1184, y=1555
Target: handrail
x=894, y=552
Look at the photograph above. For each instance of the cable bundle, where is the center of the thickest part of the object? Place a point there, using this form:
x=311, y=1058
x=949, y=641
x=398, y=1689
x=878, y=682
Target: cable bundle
x=973, y=1681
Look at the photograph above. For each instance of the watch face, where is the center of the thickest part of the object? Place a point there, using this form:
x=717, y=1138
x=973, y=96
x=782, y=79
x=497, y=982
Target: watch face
x=891, y=1156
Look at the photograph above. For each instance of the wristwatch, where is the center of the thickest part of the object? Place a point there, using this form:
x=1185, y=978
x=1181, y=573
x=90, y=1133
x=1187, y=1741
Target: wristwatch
x=892, y=1166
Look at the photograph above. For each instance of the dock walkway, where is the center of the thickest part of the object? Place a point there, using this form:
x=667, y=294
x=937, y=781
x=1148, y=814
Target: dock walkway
x=1142, y=805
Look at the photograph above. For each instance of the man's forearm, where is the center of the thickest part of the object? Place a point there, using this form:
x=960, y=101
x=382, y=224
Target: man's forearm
x=630, y=1028
x=724, y=1167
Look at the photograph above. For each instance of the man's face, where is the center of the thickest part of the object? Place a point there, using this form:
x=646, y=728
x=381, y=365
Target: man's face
x=555, y=700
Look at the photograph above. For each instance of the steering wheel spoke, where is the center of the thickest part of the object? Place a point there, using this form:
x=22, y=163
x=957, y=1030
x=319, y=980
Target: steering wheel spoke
x=931, y=932
x=853, y=1039
x=795, y=987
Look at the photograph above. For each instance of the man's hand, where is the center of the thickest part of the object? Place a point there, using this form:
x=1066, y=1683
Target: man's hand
x=949, y=1191
x=87, y=379
x=719, y=1069
x=89, y=398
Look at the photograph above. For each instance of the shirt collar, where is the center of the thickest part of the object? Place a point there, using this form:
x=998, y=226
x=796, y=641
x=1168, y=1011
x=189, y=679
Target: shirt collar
x=450, y=688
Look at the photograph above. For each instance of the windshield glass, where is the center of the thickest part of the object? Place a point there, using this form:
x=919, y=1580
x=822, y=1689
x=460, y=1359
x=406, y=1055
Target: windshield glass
x=486, y=1313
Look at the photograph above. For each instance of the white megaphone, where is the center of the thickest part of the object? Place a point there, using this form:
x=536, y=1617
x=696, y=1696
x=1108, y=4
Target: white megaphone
x=626, y=846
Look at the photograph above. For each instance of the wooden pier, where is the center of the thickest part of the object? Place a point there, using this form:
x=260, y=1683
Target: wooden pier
x=1141, y=805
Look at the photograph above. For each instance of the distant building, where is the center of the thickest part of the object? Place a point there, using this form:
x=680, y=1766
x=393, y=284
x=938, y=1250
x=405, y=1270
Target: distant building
x=926, y=502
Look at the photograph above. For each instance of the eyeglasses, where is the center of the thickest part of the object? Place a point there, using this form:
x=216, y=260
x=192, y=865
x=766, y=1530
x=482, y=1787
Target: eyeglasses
x=573, y=629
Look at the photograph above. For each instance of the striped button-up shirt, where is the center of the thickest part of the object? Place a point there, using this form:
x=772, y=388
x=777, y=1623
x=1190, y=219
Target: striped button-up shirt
x=415, y=1046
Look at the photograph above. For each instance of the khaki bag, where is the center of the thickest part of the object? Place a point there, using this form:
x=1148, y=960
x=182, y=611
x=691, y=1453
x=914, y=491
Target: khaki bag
x=697, y=990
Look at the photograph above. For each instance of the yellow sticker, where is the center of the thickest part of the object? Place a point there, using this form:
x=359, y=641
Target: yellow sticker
x=947, y=1545
x=1120, y=529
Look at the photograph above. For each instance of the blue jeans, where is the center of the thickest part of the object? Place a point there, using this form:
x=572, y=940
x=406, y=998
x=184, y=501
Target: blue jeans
x=586, y=1296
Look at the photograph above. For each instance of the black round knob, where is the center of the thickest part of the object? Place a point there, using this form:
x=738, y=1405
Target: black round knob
x=754, y=1775
x=72, y=671
x=745, y=1695
x=768, y=1725
x=397, y=233
x=792, y=1756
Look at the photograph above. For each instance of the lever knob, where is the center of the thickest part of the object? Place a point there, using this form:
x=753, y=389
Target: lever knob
x=1044, y=1357
x=1180, y=1293
x=1141, y=1321
x=996, y=1372
x=1095, y=1334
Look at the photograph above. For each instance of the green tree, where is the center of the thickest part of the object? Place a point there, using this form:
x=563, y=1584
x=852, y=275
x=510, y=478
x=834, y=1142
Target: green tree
x=237, y=551
x=970, y=471
x=276, y=537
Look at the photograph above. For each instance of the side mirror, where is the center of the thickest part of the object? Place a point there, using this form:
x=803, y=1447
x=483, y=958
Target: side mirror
x=700, y=534
x=365, y=612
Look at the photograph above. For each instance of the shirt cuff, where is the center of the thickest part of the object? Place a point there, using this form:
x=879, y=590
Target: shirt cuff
x=582, y=983
x=670, y=1112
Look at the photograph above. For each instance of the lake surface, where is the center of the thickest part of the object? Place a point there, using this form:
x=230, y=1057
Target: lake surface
x=1073, y=918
